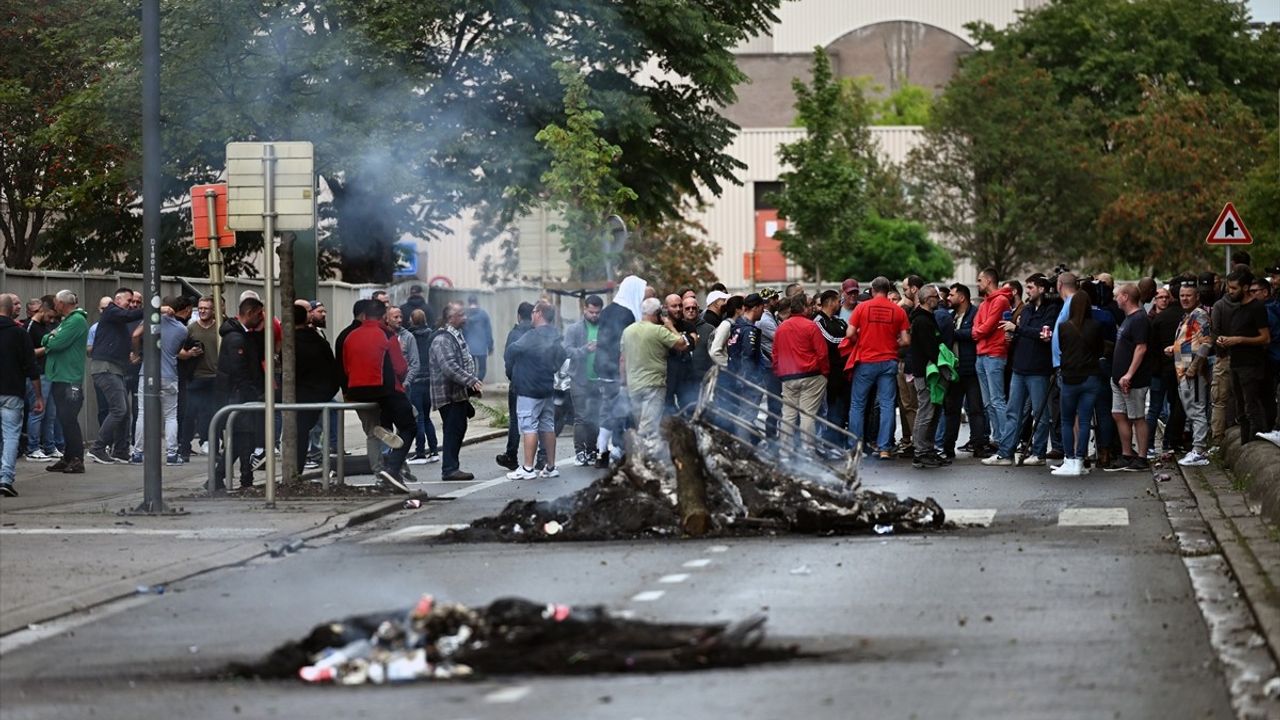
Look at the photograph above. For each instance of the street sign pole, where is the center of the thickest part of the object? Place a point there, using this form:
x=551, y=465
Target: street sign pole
x=152, y=501
x=215, y=264
x=1228, y=260
x=268, y=298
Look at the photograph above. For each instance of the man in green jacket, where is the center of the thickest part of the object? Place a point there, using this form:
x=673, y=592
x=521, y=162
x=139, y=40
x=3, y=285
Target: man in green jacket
x=64, y=351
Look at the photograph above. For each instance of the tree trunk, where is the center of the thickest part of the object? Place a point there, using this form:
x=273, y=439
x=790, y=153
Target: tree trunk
x=691, y=478
x=288, y=364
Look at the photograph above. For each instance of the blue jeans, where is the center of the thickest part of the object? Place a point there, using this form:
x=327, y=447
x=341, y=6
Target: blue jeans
x=1157, y=407
x=425, y=440
x=1022, y=387
x=1077, y=407
x=10, y=429
x=43, y=431
x=884, y=377
x=991, y=382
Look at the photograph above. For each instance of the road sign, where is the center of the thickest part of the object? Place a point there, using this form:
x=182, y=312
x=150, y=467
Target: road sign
x=1229, y=229
x=406, y=259
x=200, y=216
x=293, y=180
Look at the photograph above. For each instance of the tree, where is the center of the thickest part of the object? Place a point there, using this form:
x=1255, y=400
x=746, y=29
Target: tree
x=672, y=255
x=893, y=248
x=581, y=183
x=1004, y=173
x=420, y=110
x=1096, y=51
x=909, y=104
x=1175, y=162
x=1259, y=206
x=824, y=197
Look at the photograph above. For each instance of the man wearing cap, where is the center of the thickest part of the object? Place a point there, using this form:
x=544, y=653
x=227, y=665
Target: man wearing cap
x=416, y=301
x=848, y=298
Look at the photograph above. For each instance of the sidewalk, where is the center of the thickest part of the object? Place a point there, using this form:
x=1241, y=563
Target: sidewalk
x=67, y=542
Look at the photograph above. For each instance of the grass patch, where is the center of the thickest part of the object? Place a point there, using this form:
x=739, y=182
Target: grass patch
x=498, y=417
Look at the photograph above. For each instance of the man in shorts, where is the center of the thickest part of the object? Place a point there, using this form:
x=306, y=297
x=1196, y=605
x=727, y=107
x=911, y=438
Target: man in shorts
x=1130, y=380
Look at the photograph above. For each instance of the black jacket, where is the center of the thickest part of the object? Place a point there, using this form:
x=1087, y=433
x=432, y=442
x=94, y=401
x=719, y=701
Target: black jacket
x=422, y=336
x=240, y=377
x=613, y=320
x=1164, y=327
x=517, y=331
x=317, y=372
x=1080, y=350
x=417, y=302
x=17, y=359
x=925, y=338
x=700, y=357
x=112, y=341
x=1029, y=354
x=966, y=348
x=534, y=360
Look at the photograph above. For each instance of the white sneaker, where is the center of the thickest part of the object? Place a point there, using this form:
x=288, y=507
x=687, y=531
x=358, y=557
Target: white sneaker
x=201, y=449
x=580, y=459
x=38, y=455
x=1194, y=459
x=549, y=472
x=1035, y=460
x=522, y=473
x=417, y=460
x=1066, y=469
x=433, y=457
x=54, y=453
x=1079, y=468
x=1272, y=437
x=388, y=438
x=998, y=461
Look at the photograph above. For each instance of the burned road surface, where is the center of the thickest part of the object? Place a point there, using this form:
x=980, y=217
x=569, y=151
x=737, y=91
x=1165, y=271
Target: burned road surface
x=1058, y=598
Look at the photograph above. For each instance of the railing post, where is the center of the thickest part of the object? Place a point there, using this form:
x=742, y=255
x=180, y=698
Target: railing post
x=324, y=449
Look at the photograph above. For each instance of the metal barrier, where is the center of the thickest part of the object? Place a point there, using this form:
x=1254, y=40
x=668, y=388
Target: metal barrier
x=841, y=458
x=231, y=411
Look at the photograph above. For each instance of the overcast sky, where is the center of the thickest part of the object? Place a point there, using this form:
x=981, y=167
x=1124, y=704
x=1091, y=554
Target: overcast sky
x=1264, y=10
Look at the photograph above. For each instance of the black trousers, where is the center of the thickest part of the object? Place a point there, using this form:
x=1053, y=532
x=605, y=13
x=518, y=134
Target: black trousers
x=397, y=412
x=306, y=420
x=246, y=434
x=68, y=398
x=453, y=428
x=965, y=392
x=1248, y=386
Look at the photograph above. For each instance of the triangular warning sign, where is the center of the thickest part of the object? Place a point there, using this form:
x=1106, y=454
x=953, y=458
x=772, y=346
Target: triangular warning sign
x=1229, y=230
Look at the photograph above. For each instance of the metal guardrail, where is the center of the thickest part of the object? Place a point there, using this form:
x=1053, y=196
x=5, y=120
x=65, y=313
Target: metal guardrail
x=229, y=412
x=842, y=458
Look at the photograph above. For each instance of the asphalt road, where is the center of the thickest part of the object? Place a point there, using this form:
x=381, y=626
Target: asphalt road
x=1068, y=600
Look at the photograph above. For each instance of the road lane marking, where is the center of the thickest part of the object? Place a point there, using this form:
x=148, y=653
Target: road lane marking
x=500, y=480
x=413, y=532
x=699, y=563
x=187, y=534
x=1093, y=517
x=512, y=694
x=967, y=517
x=36, y=632
x=673, y=578
x=648, y=595
x=718, y=548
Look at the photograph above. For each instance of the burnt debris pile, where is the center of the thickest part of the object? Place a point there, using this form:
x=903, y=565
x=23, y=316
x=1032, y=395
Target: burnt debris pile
x=703, y=483
x=441, y=641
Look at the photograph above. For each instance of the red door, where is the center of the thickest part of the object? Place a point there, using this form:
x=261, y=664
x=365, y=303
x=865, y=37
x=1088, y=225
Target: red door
x=767, y=263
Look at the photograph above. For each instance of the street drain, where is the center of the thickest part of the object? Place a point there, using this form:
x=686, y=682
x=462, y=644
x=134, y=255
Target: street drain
x=445, y=641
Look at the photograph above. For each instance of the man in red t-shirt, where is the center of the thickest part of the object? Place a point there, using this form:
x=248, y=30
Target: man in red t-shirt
x=877, y=329
x=800, y=361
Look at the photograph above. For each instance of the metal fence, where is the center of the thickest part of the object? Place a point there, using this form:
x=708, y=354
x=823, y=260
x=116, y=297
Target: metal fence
x=741, y=407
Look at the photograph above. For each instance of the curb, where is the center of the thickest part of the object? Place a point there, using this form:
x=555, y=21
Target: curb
x=1245, y=542
x=1257, y=466
x=217, y=559
x=486, y=437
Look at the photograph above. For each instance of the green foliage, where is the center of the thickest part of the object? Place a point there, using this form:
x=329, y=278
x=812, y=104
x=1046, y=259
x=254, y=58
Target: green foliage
x=824, y=198
x=675, y=254
x=1259, y=202
x=893, y=248
x=581, y=183
x=908, y=104
x=1175, y=162
x=1096, y=50
x=417, y=109
x=1004, y=172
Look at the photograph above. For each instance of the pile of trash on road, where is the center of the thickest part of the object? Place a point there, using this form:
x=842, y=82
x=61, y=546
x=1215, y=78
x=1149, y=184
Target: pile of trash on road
x=743, y=490
x=443, y=641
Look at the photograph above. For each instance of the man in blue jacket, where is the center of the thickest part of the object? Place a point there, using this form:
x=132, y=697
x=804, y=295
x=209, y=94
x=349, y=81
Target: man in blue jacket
x=1032, y=362
x=534, y=360
x=111, y=369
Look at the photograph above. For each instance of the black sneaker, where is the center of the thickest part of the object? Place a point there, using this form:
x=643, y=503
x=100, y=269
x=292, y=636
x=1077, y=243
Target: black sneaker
x=925, y=461
x=1120, y=464
x=506, y=461
x=8, y=490
x=1138, y=464
x=74, y=467
x=58, y=466
x=101, y=456
x=602, y=461
x=387, y=478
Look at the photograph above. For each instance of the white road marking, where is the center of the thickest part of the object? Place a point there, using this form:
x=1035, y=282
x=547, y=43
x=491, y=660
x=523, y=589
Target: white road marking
x=718, y=548
x=42, y=631
x=413, y=532
x=699, y=563
x=965, y=517
x=623, y=614
x=648, y=595
x=188, y=534
x=512, y=694
x=1087, y=517
x=673, y=578
x=500, y=480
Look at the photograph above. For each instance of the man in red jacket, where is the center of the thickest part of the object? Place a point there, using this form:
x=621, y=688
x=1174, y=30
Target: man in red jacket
x=801, y=362
x=372, y=362
x=993, y=347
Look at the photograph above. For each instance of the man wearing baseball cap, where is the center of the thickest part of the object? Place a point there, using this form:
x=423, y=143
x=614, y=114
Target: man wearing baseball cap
x=848, y=298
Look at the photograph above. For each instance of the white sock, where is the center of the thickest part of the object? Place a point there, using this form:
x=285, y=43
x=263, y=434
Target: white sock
x=602, y=441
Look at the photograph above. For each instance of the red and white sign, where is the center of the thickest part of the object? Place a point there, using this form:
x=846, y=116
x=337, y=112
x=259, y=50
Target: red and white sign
x=1229, y=229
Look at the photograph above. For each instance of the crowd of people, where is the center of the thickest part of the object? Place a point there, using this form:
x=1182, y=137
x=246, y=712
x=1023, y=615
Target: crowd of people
x=1051, y=368
x=1054, y=367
